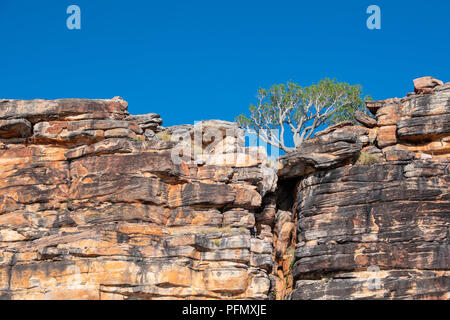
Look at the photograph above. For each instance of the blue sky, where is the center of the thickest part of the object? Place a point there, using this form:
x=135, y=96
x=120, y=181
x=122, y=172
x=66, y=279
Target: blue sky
x=196, y=60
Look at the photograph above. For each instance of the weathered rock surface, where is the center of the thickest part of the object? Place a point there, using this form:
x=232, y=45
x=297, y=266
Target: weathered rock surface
x=329, y=148
x=17, y=128
x=99, y=204
x=150, y=122
x=365, y=120
x=393, y=217
x=426, y=85
x=91, y=208
x=63, y=109
x=379, y=226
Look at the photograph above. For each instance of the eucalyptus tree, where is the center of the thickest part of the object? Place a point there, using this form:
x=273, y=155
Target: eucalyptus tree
x=300, y=110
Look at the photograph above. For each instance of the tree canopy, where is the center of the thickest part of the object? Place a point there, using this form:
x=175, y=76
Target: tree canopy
x=301, y=110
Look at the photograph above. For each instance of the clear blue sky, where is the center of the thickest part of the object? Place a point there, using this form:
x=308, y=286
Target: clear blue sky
x=195, y=60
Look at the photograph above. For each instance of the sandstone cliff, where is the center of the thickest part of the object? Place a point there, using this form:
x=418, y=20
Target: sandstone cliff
x=96, y=203
x=373, y=203
x=93, y=205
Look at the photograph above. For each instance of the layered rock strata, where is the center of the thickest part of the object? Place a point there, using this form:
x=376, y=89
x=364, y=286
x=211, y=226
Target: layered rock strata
x=373, y=204
x=99, y=204
x=96, y=203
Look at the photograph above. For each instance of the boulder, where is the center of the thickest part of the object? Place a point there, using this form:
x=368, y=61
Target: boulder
x=149, y=121
x=425, y=85
x=330, y=148
x=373, y=106
x=365, y=120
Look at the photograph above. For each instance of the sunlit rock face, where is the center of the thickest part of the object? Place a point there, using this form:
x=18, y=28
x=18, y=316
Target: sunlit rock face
x=96, y=203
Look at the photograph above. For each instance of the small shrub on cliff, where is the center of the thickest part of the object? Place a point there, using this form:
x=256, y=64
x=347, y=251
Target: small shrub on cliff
x=291, y=265
x=173, y=138
x=164, y=136
x=274, y=293
x=290, y=253
x=367, y=159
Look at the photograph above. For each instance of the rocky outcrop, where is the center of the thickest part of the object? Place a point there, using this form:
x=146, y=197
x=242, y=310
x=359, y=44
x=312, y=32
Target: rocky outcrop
x=96, y=203
x=362, y=226
x=327, y=149
x=374, y=216
x=99, y=204
x=425, y=85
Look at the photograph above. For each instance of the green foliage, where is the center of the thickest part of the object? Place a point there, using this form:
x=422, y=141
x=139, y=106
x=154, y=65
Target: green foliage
x=291, y=265
x=203, y=230
x=301, y=109
x=165, y=136
x=291, y=252
x=367, y=159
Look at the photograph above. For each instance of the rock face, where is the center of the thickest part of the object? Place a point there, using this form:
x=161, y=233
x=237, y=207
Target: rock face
x=96, y=203
x=374, y=217
x=95, y=206
x=363, y=226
